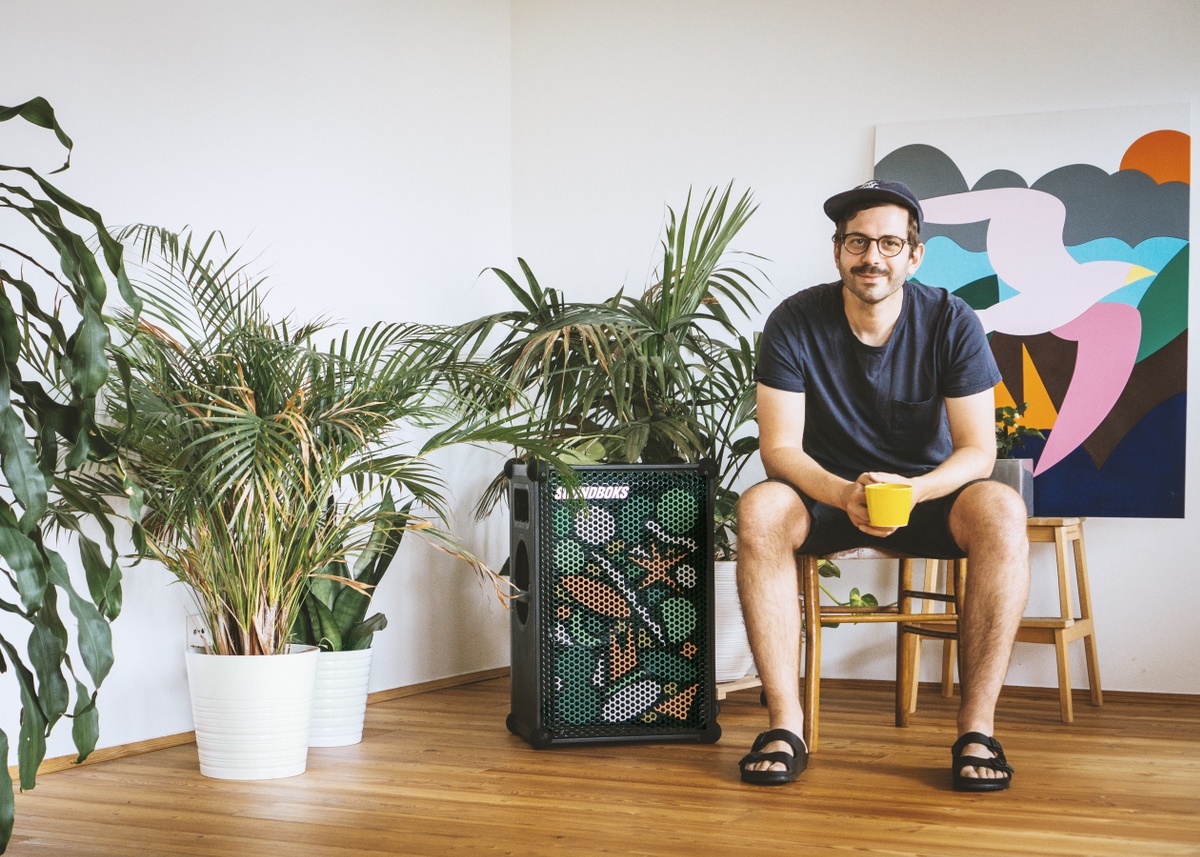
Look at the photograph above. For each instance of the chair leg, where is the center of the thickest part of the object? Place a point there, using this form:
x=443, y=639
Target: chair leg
x=956, y=581
x=1064, y=676
x=959, y=569
x=949, y=658
x=932, y=572
x=1093, y=667
x=1084, y=590
x=915, y=665
x=906, y=647
x=810, y=587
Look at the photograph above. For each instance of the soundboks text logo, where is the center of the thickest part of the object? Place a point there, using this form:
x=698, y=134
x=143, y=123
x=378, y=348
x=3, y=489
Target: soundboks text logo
x=593, y=492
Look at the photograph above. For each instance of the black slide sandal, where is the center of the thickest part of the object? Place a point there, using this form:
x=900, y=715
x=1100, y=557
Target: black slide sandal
x=995, y=763
x=795, y=762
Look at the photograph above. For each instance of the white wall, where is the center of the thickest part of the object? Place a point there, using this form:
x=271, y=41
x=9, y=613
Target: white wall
x=378, y=155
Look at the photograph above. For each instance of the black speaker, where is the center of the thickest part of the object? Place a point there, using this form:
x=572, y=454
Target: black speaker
x=612, y=629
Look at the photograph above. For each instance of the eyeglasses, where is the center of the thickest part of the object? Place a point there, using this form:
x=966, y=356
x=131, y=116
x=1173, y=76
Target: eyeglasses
x=857, y=244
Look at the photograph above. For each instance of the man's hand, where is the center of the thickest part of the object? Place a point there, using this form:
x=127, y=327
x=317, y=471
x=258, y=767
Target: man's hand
x=855, y=502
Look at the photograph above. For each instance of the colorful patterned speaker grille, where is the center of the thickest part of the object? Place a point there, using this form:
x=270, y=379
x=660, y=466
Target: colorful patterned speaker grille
x=625, y=603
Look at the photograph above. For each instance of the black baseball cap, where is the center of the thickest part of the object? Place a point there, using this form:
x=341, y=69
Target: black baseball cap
x=896, y=193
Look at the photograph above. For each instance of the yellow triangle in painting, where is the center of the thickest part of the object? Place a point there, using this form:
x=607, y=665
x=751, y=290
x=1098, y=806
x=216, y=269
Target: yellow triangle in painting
x=1041, y=413
x=1137, y=272
x=1004, y=399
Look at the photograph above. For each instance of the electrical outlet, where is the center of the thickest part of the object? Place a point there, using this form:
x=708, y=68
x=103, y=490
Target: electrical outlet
x=197, y=633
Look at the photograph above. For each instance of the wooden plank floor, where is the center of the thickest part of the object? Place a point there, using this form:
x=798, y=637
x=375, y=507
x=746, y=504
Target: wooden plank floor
x=438, y=774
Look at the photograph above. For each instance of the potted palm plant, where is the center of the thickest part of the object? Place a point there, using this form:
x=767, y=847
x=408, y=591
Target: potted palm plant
x=266, y=458
x=655, y=378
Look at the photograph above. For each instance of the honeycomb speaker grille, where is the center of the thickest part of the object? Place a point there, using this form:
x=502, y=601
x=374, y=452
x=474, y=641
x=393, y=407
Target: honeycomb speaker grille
x=624, y=603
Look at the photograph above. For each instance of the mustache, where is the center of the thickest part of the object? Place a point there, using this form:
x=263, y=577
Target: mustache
x=869, y=270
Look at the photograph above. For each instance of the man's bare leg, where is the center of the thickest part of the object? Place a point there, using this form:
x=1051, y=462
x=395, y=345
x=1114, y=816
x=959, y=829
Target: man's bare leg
x=988, y=521
x=772, y=523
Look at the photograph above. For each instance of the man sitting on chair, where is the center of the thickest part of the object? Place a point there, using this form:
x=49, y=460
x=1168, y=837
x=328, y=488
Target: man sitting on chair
x=875, y=379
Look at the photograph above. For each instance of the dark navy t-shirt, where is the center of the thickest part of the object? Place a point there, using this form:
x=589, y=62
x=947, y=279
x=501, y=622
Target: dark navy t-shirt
x=876, y=407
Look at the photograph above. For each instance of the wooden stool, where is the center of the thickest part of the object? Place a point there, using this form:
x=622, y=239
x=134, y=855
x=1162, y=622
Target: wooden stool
x=909, y=625
x=1059, y=630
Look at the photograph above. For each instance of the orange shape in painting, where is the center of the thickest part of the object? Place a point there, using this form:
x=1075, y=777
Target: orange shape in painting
x=596, y=595
x=1165, y=156
x=679, y=705
x=1041, y=413
x=1004, y=399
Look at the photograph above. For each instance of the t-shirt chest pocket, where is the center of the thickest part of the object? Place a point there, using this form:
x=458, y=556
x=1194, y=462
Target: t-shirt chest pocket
x=915, y=419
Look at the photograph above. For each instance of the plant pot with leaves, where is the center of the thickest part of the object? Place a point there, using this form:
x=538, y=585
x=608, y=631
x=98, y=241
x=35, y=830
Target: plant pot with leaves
x=54, y=335
x=656, y=378
x=333, y=618
x=1010, y=437
x=264, y=459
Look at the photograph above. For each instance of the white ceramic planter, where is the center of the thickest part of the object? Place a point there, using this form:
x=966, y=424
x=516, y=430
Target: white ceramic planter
x=340, y=698
x=732, y=648
x=252, y=713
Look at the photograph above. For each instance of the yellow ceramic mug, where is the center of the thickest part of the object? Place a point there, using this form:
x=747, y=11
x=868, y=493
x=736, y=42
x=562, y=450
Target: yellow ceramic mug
x=888, y=504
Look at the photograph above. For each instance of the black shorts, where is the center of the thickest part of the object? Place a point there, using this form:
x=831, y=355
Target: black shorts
x=927, y=534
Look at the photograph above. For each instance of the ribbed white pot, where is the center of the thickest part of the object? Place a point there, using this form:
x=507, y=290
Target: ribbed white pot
x=340, y=699
x=252, y=712
x=733, y=655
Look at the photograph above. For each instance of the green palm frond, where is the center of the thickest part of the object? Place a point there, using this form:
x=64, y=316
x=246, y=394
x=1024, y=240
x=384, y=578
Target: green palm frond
x=657, y=377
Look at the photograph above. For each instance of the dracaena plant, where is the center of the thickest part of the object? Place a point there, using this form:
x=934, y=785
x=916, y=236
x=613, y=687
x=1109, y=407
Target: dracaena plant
x=54, y=340
x=269, y=452
x=660, y=377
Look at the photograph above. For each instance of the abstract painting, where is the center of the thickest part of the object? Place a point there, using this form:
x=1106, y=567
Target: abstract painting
x=1068, y=234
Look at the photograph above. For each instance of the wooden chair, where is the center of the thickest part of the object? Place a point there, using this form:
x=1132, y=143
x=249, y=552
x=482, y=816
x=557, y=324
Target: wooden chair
x=910, y=624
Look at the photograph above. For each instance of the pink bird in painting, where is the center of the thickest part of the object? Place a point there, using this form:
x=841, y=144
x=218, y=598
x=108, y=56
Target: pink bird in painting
x=1056, y=294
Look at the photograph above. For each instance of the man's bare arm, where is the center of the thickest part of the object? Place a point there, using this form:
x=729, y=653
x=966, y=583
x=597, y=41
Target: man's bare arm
x=973, y=435
x=781, y=447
